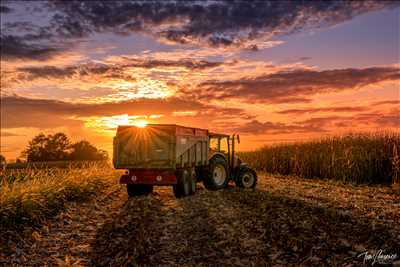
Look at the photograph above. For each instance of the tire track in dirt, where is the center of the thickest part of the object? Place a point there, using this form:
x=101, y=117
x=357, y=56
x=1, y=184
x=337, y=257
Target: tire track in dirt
x=160, y=230
x=186, y=233
x=127, y=239
x=206, y=230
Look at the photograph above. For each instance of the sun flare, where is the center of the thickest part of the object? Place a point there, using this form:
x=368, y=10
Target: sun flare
x=140, y=123
x=110, y=123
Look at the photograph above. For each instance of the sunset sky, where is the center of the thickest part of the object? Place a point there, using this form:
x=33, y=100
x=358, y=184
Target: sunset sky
x=273, y=72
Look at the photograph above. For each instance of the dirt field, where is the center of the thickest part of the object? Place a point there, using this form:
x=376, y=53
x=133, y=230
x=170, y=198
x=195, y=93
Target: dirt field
x=286, y=221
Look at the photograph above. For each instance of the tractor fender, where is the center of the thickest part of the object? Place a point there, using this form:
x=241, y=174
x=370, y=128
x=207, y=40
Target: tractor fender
x=216, y=154
x=201, y=171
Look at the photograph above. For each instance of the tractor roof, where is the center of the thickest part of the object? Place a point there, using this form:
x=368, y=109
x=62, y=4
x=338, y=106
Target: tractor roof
x=218, y=134
x=175, y=125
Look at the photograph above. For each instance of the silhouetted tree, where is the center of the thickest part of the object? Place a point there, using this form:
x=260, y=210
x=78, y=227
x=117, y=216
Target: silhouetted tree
x=58, y=147
x=83, y=150
x=2, y=160
x=47, y=148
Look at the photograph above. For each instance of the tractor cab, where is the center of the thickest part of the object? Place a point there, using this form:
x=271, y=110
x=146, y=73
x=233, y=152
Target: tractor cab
x=224, y=144
x=219, y=143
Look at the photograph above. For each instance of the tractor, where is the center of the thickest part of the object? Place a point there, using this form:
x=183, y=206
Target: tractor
x=178, y=156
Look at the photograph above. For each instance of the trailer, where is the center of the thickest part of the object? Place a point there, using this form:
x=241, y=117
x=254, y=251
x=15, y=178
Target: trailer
x=177, y=156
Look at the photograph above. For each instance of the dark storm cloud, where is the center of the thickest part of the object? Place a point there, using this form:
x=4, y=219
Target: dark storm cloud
x=44, y=113
x=213, y=23
x=31, y=73
x=218, y=22
x=5, y=9
x=296, y=85
x=185, y=63
x=13, y=47
x=97, y=68
x=110, y=70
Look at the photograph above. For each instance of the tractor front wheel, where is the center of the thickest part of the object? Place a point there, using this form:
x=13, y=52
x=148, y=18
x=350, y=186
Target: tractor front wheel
x=247, y=179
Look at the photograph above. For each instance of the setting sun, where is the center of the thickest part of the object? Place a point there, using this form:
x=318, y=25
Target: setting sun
x=140, y=124
x=108, y=124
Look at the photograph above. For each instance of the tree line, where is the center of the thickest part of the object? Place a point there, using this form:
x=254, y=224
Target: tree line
x=58, y=147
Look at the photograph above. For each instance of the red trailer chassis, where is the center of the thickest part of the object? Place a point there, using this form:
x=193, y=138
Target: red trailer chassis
x=150, y=177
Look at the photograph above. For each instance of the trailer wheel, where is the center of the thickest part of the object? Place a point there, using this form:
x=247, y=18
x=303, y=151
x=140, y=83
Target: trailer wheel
x=182, y=187
x=217, y=176
x=192, y=182
x=138, y=189
x=247, y=178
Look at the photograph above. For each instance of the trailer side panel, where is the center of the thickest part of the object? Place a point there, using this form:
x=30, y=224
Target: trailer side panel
x=159, y=146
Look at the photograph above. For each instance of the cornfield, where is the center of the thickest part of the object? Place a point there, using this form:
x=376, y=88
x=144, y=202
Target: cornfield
x=31, y=195
x=356, y=158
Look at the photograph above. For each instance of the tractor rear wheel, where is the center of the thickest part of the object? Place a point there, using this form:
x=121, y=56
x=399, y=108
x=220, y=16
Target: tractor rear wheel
x=217, y=176
x=138, y=189
x=182, y=187
x=247, y=179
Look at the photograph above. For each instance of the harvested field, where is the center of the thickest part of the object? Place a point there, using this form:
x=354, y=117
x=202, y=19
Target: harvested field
x=284, y=222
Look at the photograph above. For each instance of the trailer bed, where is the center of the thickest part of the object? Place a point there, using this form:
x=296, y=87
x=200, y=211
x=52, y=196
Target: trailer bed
x=160, y=146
